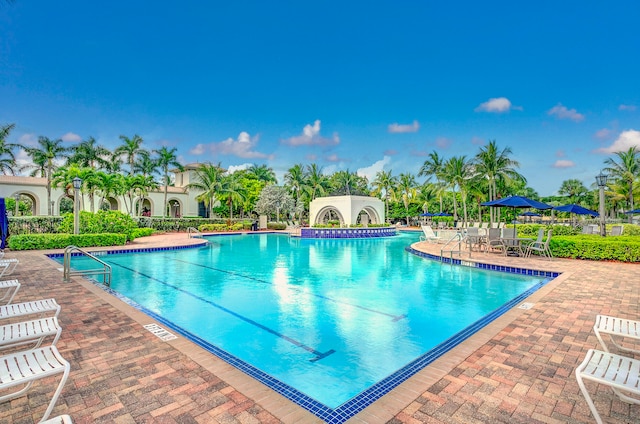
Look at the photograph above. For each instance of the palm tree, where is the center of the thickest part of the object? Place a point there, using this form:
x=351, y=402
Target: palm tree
x=573, y=189
x=456, y=173
x=231, y=190
x=318, y=182
x=296, y=180
x=140, y=186
x=88, y=154
x=7, y=158
x=496, y=165
x=434, y=166
x=626, y=171
x=44, y=159
x=407, y=189
x=263, y=173
x=207, y=180
x=167, y=158
x=109, y=185
x=384, y=183
x=131, y=149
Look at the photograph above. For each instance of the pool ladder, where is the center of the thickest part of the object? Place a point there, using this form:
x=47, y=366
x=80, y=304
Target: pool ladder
x=457, y=241
x=105, y=270
x=194, y=231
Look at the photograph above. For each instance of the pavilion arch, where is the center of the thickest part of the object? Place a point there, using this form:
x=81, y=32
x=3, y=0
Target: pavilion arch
x=348, y=208
x=327, y=213
x=35, y=200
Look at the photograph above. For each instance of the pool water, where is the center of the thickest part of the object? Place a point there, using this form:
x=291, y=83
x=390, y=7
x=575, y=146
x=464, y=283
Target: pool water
x=329, y=318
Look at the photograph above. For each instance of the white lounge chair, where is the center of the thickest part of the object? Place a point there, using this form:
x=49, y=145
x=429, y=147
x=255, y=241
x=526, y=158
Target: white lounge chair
x=540, y=246
x=23, y=368
x=616, y=230
x=428, y=234
x=28, y=308
x=23, y=333
x=60, y=419
x=7, y=266
x=620, y=373
x=11, y=288
x=618, y=327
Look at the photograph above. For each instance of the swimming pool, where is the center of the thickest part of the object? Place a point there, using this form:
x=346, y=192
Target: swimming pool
x=334, y=323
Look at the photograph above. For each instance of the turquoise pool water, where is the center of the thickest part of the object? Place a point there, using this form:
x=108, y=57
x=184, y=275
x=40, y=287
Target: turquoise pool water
x=329, y=318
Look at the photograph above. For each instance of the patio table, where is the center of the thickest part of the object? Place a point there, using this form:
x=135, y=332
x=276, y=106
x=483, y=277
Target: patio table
x=513, y=245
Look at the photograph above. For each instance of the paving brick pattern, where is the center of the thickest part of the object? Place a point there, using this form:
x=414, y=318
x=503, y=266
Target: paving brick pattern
x=121, y=373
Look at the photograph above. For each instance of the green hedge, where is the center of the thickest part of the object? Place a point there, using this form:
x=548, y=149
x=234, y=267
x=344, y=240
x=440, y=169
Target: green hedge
x=594, y=247
x=276, y=225
x=142, y=232
x=34, y=224
x=182, y=224
x=208, y=228
x=60, y=241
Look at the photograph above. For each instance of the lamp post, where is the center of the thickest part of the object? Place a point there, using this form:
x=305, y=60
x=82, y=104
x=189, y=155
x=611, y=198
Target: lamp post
x=17, y=197
x=77, y=183
x=601, y=180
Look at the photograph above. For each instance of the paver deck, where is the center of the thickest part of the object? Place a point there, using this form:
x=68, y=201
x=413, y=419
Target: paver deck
x=518, y=369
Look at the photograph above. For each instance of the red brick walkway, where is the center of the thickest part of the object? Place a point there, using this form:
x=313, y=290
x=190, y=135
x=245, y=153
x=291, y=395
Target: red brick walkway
x=121, y=373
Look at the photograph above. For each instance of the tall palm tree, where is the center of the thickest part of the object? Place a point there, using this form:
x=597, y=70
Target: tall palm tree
x=7, y=158
x=231, y=190
x=384, y=183
x=89, y=154
x=573, y=189
x=457, y=171
x=44, y=158
x=496, y=164
x=109, y=185
x=626, y=170
x=131, y=149
x=296, y=180
x=263, y=173
x=318, y=182
x=207, y=179
x=407, y=190
x=434, y=167
x=167, y=158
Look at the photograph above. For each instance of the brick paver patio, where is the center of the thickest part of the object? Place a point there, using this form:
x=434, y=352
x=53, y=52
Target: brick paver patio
x=518, y=370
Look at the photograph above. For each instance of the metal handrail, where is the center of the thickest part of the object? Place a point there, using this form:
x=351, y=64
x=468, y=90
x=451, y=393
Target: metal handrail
x=195, y=231
x=105, y=271
x=460, y=237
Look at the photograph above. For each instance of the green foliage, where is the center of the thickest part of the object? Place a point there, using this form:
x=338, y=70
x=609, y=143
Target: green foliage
x=213, y=228
x=60, y=241
x=142, y=232
x=531, y=230
x=180, y=224
x=276, y=226
x=100, y=222
x=592, y=247
x=628, y=230
x=34, y=224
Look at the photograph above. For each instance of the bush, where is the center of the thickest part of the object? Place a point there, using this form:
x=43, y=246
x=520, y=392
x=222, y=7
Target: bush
x=593, y=247
x=142, y=232
x=276, y=226
x=208, y=228
x=100, y=222
x=60, y=241
x=34, y=224
x=180, y=224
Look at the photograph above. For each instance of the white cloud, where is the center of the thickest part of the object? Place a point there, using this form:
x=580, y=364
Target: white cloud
x=477, y=141
x=603, y=134
x=370, y=171
x=561, y=112
x=390, y=152
x=563, y=163
x=242, y=147
x=443, y=142
x=28, y=139
x=311, y=136
x=629, y=108
x=233, y=168
x=626, y=139
x=560, y=153
x=404, y=128
x=497, y=105
x=333, y=158
x=72, y=137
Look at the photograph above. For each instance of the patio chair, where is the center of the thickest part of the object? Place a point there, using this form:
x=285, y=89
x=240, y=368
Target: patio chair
x=508, y=240
x=618, y=327
x=616, y=230
x=473, y=238
x=428, y=234
x=620, y=373
x=26, y=367
x=28, y=308
x=23, y=333
x=539, y=246
x=494, y=240
x=11, y=287
x=8, y=266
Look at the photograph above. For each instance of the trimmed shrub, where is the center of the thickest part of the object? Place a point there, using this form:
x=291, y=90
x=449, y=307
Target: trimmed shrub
x=60, y=241
x=593, y=247
x=34, y=224
x=101, y=222
x=141, y=232
x=276, y=225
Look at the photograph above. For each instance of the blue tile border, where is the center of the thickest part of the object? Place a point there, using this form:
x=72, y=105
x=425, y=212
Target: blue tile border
x=353, y=406
x=347, y=233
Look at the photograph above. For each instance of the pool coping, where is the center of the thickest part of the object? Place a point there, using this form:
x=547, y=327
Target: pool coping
x=385, y=404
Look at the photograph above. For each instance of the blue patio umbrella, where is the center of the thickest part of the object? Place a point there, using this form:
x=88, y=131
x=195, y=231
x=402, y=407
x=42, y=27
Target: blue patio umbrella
x=442, y=214
x=520, y=202
x=633, y=211
x=4, y=223
x=529, y=214
x=427, y=214
x=577, y=209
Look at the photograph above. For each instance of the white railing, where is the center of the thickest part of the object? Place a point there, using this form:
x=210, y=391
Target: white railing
x=193, y=232
x=105, y=270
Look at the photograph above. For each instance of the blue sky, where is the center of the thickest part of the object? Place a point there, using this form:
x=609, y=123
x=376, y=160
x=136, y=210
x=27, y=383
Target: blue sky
x=359, y=86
